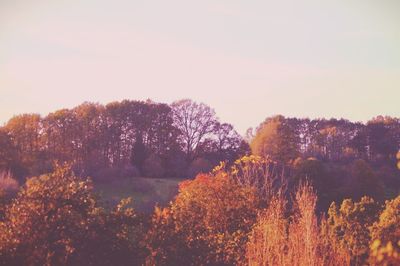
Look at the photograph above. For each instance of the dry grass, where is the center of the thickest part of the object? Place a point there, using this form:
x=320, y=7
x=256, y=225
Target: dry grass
x=295, y=240
x=267, y=242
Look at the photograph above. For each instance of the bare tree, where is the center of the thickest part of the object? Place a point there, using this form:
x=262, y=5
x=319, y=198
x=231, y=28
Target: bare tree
x=195, y=121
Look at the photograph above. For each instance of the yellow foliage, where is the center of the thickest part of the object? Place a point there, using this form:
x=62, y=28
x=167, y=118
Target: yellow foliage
x=382, y=254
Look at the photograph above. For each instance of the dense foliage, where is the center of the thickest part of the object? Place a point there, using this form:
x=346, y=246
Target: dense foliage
x=208, y=223
x=56, y=220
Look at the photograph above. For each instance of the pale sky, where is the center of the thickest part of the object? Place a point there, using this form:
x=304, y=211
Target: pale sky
x=247, y=59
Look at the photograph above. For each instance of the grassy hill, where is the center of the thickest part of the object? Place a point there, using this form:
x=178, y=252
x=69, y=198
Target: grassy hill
x=145, y=192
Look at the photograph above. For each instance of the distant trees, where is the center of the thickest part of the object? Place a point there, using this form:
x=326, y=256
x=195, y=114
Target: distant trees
x=342, y=159
x=25, y=133
x=8, y=152
x=94, y=138
x=334, y=140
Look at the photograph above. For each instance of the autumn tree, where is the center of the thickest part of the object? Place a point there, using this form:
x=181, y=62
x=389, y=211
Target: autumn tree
x=385, y=235
x=24, y=131
x=8, y=152
x=276, y=138
x=206, y=224
x=349, y=224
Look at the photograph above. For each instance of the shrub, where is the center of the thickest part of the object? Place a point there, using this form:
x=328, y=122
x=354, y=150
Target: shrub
x=55, y=220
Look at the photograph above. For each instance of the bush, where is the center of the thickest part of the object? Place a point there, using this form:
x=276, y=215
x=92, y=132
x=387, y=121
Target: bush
x=55, y=220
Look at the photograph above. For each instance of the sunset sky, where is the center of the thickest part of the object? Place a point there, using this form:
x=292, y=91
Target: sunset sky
x=246, y=59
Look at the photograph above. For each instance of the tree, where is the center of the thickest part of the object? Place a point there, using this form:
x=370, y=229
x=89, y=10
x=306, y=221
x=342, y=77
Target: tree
x=194, y=121
x=387, y=228
x=207, y=223
x=349, y=225
x=138, y=153
x=25, y=133
x=8, y=152
x=227, y=144
x=60, y=136
x=383, y=139
x=277, y=139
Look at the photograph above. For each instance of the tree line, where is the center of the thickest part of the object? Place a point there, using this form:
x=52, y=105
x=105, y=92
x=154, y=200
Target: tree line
x=341, y=159
x=120, y=138
x=121, y=134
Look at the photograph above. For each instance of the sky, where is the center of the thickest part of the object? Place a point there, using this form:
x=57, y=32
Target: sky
x=247, y=59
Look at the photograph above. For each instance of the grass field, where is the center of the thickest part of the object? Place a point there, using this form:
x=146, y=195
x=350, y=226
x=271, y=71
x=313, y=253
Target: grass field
x=145, y=192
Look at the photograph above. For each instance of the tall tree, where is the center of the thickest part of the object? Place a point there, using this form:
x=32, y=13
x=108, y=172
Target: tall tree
x=195, y=121
x=138, y=153
x=276, y=138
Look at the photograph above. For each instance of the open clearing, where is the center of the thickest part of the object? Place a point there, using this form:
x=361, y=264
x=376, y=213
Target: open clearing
x=145, y=192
